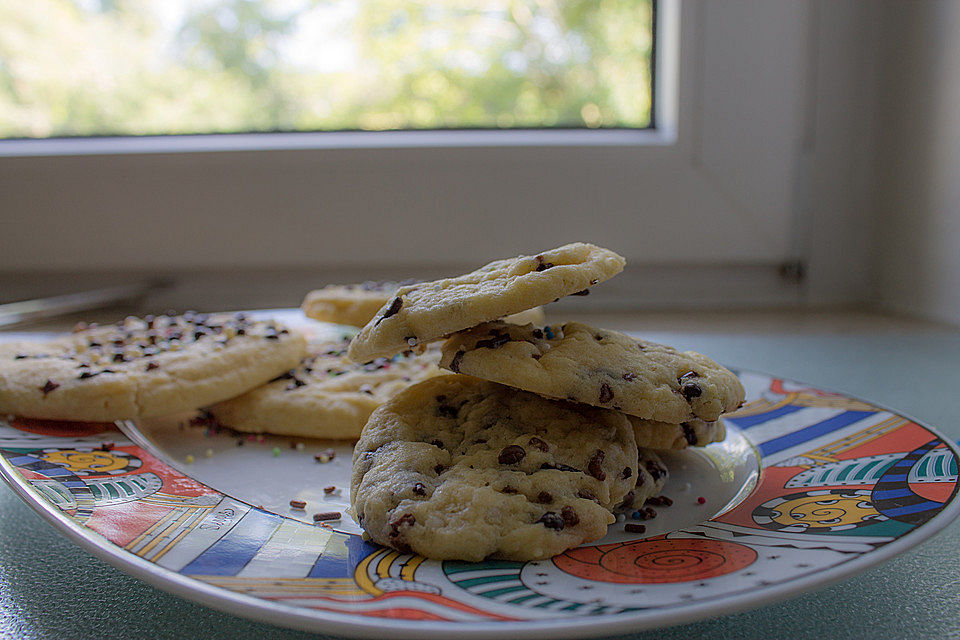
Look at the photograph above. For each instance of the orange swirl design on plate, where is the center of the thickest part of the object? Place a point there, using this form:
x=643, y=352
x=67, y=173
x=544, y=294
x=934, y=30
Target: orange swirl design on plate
x=656, y=561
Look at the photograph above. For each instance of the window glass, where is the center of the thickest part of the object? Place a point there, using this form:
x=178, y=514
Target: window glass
x=137, y=67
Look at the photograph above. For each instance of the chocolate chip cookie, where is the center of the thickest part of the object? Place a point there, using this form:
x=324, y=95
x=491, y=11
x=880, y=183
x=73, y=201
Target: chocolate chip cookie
x=422, y=313
x=461, y=468
x=599, y=367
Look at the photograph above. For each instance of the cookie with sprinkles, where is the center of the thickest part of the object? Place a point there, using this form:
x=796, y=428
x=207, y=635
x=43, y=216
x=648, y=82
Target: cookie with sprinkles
x=144, y=367
x=425, y=312
x=358, y=304
x=664, y=435
x=604, y=368
x=462, y=468
x=327, y=395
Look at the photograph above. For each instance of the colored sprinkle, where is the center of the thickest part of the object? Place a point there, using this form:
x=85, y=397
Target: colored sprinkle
x=327, y=515
x=299, y=446
x=298, y=504
x=630, y=527
x=260, y=438
x=208, y=453
x=547, y=331
x=189, y=459
x=701, y=500
x=635, y=515
x=325, y=456
x=276, y=452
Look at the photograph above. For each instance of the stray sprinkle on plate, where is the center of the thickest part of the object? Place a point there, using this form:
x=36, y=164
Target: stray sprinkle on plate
x=326, y=515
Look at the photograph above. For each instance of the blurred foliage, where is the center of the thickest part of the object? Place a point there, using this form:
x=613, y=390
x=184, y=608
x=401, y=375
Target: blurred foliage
x=108, y=67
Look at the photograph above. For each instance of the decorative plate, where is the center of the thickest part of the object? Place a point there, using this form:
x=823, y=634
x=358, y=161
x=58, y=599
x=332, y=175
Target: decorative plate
x=810, y=487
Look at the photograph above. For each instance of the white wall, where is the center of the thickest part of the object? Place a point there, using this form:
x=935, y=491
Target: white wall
x=917, y=257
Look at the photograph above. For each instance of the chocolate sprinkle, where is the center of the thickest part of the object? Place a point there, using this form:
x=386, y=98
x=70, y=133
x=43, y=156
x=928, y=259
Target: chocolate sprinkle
x=328, y=515
x=511, y=454
x=646, y=513
x=660, y=501
x=632, y=527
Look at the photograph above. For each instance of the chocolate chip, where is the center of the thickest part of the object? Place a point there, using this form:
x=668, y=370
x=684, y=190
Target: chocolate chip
x=539, y=444
x=632, y=527
x=495, y=341
x=48, y=387
x=689, y=434
x=437, y=443
x=511, y=454
x=391, y=310
x=626, y=473
x=569, y=515
x=586, y=495
x=455, y=363
x=691, y=390
x=509, y=490
x=538, y=334
x=21, y=356
x=594, y=467
x=152, y=365
x=627, y=501
x=119, y=357
x=406, y=519
x=606, y=393
x=585, y=292
x=296, y=382
x=543, y=266
x=559, y=466
x=656, y=470
x=439, y=469
x=544, y=497
x=419, y=489
x=536, y=356
x=87, y=374
x=551, y=520
x=446, y=411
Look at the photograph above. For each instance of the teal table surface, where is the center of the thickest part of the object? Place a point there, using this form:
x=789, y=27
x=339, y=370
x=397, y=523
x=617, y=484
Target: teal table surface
x=51, y=588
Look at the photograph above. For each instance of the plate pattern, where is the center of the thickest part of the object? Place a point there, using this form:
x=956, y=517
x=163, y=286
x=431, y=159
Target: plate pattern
x=841, y=479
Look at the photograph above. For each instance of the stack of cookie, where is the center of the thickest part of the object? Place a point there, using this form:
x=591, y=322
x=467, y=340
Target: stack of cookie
x=531, y=446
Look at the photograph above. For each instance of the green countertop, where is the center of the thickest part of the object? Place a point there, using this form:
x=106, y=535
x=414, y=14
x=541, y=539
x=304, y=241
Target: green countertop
x=50, y=588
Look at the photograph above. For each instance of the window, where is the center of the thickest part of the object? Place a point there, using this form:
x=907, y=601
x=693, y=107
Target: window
x=134, y=67
x=714, y=181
